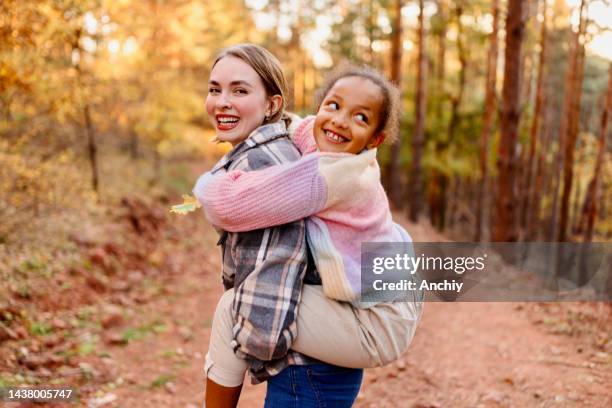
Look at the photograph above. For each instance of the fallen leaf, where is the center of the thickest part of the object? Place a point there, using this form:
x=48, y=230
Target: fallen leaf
x=189, y=204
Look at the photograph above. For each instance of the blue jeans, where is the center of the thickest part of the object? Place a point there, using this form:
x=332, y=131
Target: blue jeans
x=314, y=386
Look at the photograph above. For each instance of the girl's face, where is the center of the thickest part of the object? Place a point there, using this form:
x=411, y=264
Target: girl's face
x=348, y=116
x=237, y=102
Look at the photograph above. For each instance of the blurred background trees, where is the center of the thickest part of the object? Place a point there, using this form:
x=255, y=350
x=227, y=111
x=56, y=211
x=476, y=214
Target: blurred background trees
x=504, y=129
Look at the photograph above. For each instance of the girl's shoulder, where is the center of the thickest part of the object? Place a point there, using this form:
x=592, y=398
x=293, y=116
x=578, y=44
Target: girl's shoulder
x=303, y=135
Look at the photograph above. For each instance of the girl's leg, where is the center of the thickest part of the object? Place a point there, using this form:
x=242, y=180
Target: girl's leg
x=340, y=334
x=329, y=331
x=224, y=371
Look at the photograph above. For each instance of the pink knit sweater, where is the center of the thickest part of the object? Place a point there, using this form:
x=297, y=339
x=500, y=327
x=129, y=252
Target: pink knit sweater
x=341, y=193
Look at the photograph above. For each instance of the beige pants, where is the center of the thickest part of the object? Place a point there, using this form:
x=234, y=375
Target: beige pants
x=330, y=331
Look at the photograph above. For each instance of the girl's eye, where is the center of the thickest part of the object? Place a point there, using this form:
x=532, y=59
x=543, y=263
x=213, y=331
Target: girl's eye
x=214, y=90
x=361, y=117
x=334, y=105
x=241, y=91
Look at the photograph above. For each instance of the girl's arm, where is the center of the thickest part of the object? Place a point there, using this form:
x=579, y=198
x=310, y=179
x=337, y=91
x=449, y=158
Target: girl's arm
x=243, y=201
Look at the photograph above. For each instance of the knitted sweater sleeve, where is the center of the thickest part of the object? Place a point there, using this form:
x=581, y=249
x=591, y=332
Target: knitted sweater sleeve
x=243, y=201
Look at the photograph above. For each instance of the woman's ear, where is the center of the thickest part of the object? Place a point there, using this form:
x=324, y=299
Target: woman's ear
x=274, y=104
x=376, y=140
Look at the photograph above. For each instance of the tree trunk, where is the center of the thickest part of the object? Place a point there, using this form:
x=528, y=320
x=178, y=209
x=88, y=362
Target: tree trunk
x=416, y=184
x=560, y=154
x=92, y=148
x=574, y=94
x=443, y=145
x=393, y=169
x=441, y=66
x=591, y=201
x=133, y=144
x=457, y=187
x=575, y=211
x=505, y=228
x=457, y=99
x=541, y=180
x=370, y=30
x=487, y=126
x=528, y=190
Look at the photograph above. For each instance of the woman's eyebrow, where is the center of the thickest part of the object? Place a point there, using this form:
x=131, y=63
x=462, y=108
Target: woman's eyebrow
x=233, y=83
x=241, y=83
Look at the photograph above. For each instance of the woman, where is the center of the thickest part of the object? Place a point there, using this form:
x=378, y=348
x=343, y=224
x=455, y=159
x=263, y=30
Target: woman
x=330, y=331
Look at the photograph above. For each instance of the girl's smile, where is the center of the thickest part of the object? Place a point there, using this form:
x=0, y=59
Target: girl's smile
x=348, y=116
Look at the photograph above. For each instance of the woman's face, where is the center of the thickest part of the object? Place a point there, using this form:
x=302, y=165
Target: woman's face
x=348, y=116
x=237, y=102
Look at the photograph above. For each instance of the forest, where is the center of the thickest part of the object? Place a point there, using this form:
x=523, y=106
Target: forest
x=504, y=137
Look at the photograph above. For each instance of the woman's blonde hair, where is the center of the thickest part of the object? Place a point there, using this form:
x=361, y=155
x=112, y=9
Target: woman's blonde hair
x=267, y=67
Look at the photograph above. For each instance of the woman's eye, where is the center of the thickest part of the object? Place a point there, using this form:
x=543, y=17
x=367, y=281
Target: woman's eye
x=240, y=91
x=334, y=105
x=361, y=117
x=214, y=90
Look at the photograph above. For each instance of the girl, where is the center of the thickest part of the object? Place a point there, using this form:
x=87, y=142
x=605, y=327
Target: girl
x=358, y=108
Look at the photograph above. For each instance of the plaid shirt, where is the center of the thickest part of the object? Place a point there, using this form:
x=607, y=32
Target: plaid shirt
x=266, y=267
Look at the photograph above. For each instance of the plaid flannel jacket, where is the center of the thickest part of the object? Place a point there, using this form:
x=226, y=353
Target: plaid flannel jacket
x=266, y=267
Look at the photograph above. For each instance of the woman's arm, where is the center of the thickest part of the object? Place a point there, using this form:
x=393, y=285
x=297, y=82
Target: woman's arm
x=244, y=201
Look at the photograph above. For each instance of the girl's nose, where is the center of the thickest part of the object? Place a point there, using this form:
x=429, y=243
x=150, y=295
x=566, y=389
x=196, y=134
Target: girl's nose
x=339, y=120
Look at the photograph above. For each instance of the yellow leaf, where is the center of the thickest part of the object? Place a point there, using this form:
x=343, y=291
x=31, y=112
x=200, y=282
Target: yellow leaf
x=189, y=204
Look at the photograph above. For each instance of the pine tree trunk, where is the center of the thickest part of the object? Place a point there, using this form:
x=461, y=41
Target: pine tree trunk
x=441, y=65
x=574, y=94
x=457, y=99
x=370, y=29
x=443, y=146
x=541, y=186
x=393, y=169
x=528, y=191
x=416, y=182
x=457, y=188
x=592, y=192
x=505, y=227
x=487, y=126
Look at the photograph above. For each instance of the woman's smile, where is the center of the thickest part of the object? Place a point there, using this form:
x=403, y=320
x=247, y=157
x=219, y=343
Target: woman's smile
x=236, y=103
x=226, y=122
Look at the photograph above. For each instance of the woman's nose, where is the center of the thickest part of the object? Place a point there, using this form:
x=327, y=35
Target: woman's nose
x=223, y=101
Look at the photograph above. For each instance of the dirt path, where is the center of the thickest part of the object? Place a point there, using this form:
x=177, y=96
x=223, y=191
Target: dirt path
x=148, y=349
x=463, y=355
x=489, y=355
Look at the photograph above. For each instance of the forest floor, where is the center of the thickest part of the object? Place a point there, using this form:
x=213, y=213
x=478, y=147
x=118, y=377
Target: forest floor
x=130, y=326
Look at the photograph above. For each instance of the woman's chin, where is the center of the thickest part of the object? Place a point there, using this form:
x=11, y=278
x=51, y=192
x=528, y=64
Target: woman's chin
x=230, y=137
